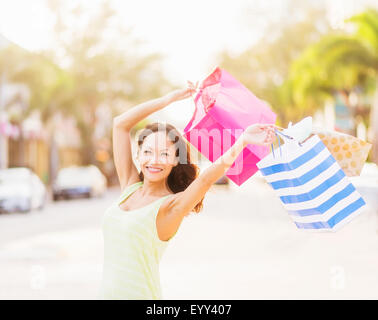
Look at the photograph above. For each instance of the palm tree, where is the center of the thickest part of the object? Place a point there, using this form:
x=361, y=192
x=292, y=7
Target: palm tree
x=264, y=66
x=367, y=32
x=340, y=62
x=336, y=62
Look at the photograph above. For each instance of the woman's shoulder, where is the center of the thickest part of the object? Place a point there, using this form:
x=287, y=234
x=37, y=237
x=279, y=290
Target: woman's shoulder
x=130, y=187
x=131, y=184
x=169, y=198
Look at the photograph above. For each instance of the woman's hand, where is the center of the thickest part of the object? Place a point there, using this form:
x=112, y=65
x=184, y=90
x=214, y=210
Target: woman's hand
x=181, y=94
x=259, y=134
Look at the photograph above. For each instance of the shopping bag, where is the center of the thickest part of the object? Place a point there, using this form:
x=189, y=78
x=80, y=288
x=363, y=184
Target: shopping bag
x=301, y=130
x=311, y=184
x=350, y=152
x=224, y=108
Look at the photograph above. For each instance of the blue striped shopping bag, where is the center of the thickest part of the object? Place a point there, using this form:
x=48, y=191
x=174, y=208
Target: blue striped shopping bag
x=311, y=185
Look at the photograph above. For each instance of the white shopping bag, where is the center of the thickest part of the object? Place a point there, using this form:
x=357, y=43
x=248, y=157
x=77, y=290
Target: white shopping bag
x=311, y=185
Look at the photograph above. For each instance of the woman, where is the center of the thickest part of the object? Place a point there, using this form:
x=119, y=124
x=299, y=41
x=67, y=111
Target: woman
x=137, y=228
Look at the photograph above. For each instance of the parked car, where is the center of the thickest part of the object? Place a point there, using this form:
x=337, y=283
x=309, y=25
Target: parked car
x=21, y=190
x=79, y=181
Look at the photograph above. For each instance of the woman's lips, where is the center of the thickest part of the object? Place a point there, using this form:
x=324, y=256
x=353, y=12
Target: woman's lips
x=154, y=169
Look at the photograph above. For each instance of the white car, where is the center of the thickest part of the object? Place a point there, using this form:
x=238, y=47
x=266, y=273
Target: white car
x=79, y=181
x=21, y=190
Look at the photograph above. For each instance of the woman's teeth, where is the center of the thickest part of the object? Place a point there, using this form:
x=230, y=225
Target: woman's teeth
x=154, y=170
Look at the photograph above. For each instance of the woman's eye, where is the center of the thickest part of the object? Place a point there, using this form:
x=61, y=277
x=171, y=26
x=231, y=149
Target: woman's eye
x=163, y=153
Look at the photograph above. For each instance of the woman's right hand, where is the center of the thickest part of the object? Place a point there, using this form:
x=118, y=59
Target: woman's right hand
x=181, y=94
x=259, y=134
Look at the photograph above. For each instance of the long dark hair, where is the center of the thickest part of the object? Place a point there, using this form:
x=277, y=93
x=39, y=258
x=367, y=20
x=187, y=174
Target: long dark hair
x=185, y=172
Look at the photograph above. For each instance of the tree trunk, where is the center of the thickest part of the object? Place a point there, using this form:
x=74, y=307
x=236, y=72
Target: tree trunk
x=87, y=147
x=86, y=126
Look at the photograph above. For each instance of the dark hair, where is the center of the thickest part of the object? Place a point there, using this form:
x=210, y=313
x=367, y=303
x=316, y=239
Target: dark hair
x=185, y=172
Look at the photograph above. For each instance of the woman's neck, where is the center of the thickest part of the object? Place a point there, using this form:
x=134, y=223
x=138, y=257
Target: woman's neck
x=154, y=188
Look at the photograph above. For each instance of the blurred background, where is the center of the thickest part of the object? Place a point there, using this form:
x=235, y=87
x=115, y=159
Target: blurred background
x=68, y=67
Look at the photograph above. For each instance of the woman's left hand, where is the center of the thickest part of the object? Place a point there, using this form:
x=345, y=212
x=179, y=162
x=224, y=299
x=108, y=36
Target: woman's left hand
x=259, y=134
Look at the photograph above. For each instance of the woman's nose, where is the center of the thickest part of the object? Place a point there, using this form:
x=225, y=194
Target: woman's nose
x=155, y=158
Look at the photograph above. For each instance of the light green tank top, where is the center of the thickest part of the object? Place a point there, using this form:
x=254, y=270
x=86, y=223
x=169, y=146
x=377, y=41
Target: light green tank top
x=132, y=250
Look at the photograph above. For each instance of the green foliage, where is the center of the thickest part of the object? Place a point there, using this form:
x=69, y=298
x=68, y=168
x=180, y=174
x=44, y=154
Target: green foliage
x=336, y=62
x=367, y=27
x=301, y=67
x=264, y=68
x=94, y=63
x=104, y=65
x=48, y=84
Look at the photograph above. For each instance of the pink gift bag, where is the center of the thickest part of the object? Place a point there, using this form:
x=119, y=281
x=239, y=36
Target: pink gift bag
x=224, y=109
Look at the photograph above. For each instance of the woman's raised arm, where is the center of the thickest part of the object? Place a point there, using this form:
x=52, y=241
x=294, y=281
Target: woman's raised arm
x=122, y=125
x=184, y=202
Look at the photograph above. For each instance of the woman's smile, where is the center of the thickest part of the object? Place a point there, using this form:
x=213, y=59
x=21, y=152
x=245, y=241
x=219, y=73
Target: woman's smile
x=160, y=149
x=153, y=169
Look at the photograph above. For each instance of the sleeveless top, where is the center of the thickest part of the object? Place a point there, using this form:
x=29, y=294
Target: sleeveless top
x=132, y=250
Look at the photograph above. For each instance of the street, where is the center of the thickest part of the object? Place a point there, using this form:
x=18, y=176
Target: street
x=243, y=245
x=91, y=89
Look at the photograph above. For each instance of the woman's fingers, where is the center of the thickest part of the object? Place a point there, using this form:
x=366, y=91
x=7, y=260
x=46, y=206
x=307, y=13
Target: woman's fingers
x=190, y=89
x=270, y=134
x=192, y=86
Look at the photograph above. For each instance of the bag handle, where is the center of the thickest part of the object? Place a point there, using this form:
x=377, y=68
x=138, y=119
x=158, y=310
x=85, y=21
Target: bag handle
x=204, y=92
x=285, y=137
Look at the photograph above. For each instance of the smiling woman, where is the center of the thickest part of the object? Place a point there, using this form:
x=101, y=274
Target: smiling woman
x=167, y=189
x=138, y=226
x=163, y=153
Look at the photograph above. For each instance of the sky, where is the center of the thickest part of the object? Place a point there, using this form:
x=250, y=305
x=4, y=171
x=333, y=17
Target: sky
x=189, y=33
x=186, y=31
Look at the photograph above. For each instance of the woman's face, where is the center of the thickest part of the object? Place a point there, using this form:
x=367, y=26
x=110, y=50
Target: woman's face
x=157, y=156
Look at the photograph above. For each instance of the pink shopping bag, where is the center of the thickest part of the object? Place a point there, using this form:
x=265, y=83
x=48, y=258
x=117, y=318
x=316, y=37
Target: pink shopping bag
x=224, y=109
